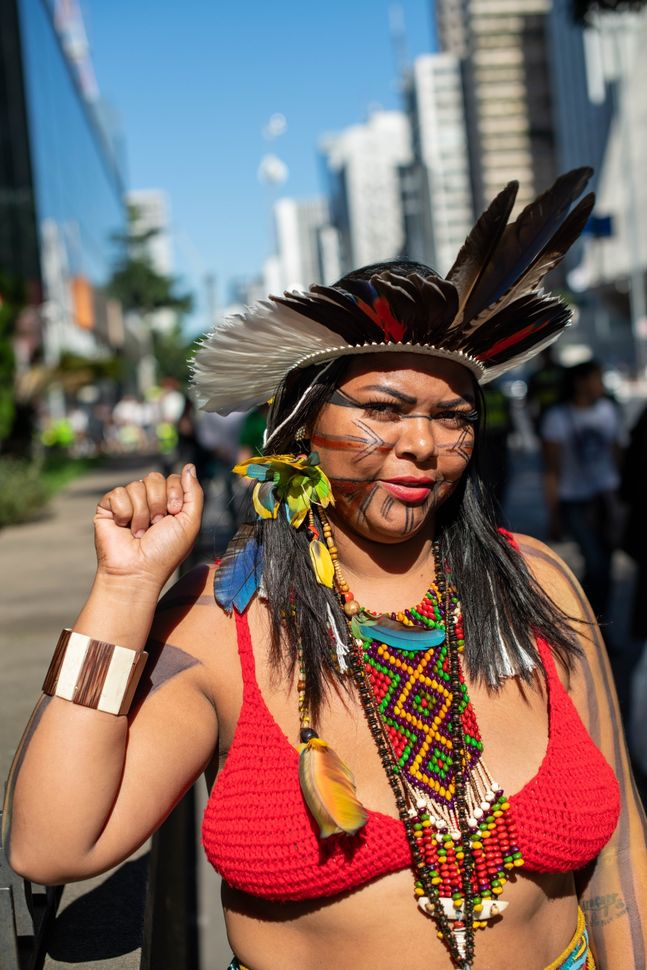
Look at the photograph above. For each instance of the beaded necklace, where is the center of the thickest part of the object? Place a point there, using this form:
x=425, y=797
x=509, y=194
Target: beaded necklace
x=415, y=700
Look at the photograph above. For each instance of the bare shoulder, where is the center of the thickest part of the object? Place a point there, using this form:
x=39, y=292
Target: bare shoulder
x=553, y=576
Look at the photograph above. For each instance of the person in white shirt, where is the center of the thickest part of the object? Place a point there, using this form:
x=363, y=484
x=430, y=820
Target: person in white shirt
x=582, y=440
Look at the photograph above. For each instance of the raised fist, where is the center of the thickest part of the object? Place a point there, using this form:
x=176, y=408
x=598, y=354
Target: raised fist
x=145, y=529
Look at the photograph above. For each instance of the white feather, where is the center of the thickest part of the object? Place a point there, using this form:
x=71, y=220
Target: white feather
x=243, y=361
x=341, y=648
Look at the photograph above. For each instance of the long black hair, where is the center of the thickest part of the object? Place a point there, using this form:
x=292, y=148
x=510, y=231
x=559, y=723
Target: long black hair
x=503, y=607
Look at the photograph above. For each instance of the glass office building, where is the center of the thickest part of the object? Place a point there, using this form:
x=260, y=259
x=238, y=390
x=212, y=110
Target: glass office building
x=60, y=187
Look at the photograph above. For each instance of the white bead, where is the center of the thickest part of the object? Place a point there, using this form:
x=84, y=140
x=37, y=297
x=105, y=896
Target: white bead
x=478, y=812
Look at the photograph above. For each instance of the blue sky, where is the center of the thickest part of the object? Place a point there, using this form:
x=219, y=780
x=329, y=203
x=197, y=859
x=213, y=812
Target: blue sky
x=194, y=84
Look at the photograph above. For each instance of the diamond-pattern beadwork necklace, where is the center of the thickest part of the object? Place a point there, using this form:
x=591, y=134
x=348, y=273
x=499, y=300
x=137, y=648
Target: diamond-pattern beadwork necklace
x=409, y=676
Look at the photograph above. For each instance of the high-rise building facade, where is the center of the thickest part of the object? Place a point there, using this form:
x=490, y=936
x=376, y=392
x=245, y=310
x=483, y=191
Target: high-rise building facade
x=438, y=207
x=150, y=215
x=298, y=225
x=363, y=166
x=508, y=91
x=60, y=188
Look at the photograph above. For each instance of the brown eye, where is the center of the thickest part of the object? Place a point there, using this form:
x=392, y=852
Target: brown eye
x=456, y=419
x=382, y=410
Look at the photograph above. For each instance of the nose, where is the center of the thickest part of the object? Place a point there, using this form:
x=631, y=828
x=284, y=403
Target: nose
x=417, y=439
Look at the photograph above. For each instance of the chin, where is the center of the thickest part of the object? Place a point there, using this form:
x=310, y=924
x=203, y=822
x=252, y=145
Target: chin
x=391, y=533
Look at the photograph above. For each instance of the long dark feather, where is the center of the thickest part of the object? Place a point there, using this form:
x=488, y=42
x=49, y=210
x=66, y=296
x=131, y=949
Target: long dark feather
x=240, y=571
x=474, y=255
x=547, y=260
x=520, y=325
x=523, y=241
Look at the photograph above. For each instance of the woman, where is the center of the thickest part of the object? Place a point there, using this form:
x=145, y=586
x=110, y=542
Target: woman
x=386, y=841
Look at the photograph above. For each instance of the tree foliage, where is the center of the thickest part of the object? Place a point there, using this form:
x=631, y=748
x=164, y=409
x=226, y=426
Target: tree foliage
x=11, y=303
x=135, y=282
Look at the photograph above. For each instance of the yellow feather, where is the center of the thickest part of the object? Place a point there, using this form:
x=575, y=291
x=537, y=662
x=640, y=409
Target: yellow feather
x=322, y=563
x=263, y=512
x=328, y=787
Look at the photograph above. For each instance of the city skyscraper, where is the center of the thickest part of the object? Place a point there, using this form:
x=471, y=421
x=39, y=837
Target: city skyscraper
x=508, y=91
x=298, y=224
x=151, y=214
x=363, y=165
x=438, y=208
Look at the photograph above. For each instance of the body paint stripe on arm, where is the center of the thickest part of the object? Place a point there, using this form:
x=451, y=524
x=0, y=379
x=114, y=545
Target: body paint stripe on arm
x=620, y=763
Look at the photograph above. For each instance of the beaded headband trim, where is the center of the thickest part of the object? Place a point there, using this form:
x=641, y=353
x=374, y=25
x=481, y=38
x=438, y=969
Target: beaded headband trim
x=489, y=314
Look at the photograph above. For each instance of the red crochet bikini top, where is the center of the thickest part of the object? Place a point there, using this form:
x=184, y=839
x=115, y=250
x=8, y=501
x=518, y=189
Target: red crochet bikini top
x=259, y=835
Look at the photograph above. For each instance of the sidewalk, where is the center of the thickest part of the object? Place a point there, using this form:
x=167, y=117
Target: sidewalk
x=47, y=567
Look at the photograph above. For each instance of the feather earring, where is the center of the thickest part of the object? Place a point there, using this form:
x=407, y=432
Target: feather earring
x=328, y=788
x=320, y=558
x=326, y=782
x=240, y=571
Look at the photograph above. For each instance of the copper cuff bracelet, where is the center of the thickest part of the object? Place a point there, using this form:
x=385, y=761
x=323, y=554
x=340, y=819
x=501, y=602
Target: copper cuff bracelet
x=94, y=673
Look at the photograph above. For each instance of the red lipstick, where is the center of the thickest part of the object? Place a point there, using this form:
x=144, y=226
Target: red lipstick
x=409, y=489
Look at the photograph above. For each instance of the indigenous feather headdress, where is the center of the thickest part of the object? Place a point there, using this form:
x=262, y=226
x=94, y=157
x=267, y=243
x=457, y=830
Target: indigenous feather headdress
x=489, y=313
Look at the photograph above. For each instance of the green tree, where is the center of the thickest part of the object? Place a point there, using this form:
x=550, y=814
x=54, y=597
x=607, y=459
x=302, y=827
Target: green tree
x=140, y=288
x=11, y=303
x=135, y=282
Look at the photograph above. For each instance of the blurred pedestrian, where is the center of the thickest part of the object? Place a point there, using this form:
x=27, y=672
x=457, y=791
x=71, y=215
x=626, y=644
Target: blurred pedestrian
x=172, y=408
x=495, y=456
x=218, y=440
x=582, y=439
x=545, y=387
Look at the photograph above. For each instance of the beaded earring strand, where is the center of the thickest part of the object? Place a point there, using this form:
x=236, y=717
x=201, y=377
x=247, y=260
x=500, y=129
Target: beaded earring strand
x=417, y=708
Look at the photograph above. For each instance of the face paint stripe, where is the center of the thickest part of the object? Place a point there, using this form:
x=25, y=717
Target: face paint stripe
x=368, y=498
x=341, y=444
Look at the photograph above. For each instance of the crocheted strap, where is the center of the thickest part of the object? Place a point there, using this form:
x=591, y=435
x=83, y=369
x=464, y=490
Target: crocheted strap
x=246, y=654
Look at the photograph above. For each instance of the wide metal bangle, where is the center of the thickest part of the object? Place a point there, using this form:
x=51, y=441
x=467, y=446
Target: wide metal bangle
x=94, y=673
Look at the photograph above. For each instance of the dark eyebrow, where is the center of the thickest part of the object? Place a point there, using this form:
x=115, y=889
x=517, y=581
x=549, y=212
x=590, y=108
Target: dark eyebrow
x=468, y=399
x=407, y=399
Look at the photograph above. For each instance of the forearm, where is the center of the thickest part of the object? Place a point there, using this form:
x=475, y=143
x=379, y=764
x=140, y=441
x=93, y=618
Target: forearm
x=68, y=769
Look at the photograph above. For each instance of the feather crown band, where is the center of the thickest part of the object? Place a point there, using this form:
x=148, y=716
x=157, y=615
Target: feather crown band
x=489, y=314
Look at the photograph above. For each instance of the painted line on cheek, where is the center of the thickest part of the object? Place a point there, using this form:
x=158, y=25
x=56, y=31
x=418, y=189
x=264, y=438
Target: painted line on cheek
x=387, y=505
x=338, y=442
x=368, y=498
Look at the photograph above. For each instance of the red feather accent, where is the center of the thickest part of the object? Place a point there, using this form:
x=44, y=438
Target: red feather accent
x=513, y=339
x=380, y=313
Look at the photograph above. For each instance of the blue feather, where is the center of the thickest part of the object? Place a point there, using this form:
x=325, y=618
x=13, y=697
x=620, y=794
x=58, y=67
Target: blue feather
x=239, y=574
x=410, y=639
x=261, y=472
